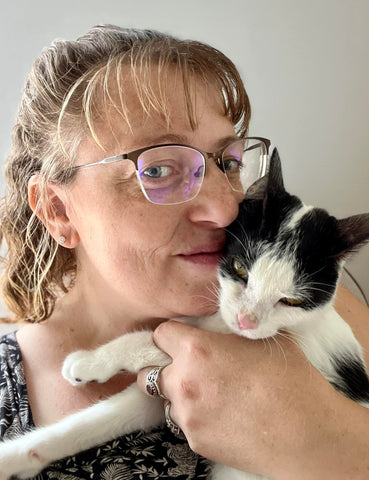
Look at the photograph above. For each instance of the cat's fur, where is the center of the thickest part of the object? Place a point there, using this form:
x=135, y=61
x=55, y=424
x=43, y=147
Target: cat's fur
x=280, y=271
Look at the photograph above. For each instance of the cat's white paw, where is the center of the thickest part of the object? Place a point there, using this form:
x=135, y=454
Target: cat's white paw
x=17, y=463
x=83, y=366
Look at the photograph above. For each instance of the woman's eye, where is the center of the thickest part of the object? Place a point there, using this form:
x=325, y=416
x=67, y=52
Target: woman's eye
x=239, y=269
x=231, y=165
x=291, y=302
x=157, y=171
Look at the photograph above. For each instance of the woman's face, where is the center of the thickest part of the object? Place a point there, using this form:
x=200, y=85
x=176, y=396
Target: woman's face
x=141, y=259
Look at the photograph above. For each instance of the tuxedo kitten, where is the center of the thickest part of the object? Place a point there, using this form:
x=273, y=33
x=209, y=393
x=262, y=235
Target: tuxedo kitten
x=279, y=273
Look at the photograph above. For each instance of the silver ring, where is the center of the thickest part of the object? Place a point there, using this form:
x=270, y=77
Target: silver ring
x=173, y=427
x=152, y=386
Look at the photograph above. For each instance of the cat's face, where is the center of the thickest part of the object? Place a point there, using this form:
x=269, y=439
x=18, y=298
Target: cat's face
x=267, y=286
x=282, y=260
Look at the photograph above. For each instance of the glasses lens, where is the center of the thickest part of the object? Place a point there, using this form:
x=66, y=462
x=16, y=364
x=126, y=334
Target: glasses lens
x=243, y=162
x=232, y=159
x=172, y=174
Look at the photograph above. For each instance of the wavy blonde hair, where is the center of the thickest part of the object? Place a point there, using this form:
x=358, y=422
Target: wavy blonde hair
x=68, y=88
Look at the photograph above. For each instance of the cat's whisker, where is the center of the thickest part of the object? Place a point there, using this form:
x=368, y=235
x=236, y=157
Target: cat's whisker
x=321, y=283
x=296, y=339
x=245, y=245
x=266, y=342
x=214, y=289
x=243, y=230
x=236, y=238
x=307, y=276
x=306, y=283
x=308, y=288
x=274, y=338
x=212, y=300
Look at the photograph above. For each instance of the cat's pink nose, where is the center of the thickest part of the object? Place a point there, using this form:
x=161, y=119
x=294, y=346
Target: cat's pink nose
x=247, y=321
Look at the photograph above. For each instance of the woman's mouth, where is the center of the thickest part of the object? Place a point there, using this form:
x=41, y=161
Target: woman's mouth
x=210, y=259
x=207, y=255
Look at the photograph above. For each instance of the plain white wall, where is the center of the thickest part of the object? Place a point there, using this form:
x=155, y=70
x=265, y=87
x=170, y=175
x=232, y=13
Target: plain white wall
x=305, y=65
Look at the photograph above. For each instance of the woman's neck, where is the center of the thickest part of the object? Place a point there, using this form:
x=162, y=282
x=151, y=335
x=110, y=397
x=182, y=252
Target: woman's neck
x=95, y=320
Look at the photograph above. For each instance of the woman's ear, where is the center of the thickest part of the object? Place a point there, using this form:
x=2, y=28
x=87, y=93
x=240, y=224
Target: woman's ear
x=50, y=208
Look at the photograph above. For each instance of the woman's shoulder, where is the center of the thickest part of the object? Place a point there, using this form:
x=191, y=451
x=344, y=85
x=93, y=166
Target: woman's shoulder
x=356, y=314
x=11, y=365
x=15, y=415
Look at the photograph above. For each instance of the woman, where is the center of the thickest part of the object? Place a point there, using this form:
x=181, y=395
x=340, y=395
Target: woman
x=95, y=251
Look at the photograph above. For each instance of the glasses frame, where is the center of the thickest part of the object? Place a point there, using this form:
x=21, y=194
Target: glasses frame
x=216, y=156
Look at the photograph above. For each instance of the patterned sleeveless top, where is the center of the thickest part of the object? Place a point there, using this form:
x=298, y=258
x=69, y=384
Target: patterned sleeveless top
x=137, y=456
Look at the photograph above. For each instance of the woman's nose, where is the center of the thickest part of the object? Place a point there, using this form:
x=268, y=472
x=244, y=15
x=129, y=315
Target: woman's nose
x=217, y=203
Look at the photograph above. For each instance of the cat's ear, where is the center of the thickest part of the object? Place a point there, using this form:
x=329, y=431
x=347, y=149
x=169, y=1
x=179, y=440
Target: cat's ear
x=257, y=190
x=275, y=182
x=271, y=184
x=353, y=233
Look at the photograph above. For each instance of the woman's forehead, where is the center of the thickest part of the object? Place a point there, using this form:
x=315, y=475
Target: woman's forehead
x=126, y=117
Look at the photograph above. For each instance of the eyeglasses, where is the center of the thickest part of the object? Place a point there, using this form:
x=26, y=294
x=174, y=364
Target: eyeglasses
x=170, y=174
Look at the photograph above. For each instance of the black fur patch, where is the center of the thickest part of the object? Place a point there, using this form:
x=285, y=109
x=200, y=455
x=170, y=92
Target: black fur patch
x=354, y=382
x=316, y=241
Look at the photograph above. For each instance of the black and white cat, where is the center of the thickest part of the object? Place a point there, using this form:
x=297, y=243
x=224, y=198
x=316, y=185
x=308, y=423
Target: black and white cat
x=279, y=272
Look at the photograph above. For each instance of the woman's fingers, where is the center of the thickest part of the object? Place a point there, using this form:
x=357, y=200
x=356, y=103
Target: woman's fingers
x=175, y=339
x=172, y=336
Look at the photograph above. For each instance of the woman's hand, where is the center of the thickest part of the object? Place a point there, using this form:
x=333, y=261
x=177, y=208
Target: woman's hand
x=259, y=406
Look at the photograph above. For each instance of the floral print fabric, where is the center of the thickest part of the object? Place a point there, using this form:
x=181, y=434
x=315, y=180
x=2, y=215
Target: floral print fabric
x=137, y=456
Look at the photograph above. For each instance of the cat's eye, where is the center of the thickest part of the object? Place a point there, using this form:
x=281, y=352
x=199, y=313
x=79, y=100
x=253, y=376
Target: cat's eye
x=240, y=269
x=291, y=302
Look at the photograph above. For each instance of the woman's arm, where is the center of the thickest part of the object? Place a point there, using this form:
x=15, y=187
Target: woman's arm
x=356, y=315
x=261, y=407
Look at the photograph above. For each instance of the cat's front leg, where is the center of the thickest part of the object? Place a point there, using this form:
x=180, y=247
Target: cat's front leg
x=213, y=323
x=123, y=413
x=130, y=352
x=223, y=472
